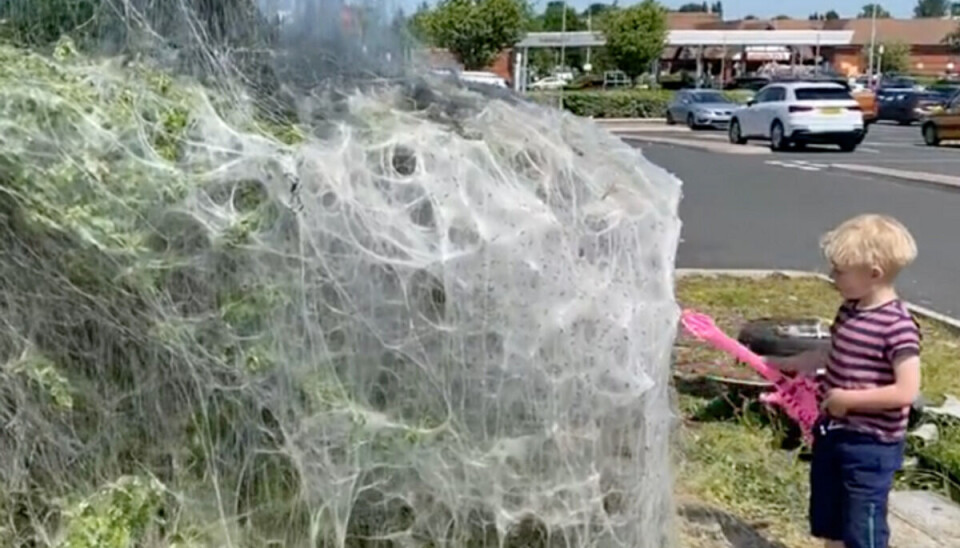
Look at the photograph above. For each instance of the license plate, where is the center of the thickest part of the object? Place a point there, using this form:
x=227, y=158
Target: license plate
x=831, y=110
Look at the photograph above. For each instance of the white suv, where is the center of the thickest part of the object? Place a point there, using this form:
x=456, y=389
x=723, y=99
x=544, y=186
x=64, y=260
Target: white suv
x=797, y=113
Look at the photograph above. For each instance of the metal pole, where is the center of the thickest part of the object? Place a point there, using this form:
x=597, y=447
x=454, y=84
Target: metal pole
x=816, y=56
x=589, y=29
x=563, y=39
x=873, y=44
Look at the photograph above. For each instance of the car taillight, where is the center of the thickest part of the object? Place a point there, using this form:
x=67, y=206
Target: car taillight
x=798, y=108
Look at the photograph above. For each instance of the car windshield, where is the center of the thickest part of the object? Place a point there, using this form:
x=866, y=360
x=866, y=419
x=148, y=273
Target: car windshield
x=709, y=97
x=823, y=94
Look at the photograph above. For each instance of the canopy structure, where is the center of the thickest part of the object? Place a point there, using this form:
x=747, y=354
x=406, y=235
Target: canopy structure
x=586, y=39
x=699, y=39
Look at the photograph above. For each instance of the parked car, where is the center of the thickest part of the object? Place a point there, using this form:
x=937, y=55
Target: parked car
x=486, y=78
x=798, y=113
x=549, y=83
x=943, y=124
x=908, y=107
x=700, y=108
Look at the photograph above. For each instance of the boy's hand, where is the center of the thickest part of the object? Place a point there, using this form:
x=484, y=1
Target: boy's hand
x=837, y=403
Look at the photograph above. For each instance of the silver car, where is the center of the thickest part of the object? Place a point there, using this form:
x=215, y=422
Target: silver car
x=700, y=108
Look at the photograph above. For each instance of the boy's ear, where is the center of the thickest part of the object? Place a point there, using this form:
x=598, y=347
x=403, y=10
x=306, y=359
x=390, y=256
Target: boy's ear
x=877, y=273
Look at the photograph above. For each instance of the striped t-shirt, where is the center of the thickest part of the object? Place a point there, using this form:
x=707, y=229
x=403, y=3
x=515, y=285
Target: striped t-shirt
x=865, y=344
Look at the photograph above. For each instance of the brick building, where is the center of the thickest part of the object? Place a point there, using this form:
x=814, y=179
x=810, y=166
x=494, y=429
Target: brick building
x=930, y=54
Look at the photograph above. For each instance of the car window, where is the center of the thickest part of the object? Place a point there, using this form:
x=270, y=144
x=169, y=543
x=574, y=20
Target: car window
x=776, y=95
x=709, y=97
x=762, y=97
x=824, y=94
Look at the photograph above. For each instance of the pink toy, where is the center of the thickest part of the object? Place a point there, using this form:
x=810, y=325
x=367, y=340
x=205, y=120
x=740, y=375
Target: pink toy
x=796, y=395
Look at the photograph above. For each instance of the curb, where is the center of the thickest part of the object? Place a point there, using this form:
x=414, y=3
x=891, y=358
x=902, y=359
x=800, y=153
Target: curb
x=629, y=120
x=923, y=311
x=719, y=147
x=915, y=176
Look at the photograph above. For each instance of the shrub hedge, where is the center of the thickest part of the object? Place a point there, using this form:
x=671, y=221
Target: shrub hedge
x=631, y=103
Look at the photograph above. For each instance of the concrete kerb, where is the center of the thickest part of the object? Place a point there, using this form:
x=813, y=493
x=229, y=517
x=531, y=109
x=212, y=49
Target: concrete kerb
x=914, y=176
x=614, y=121
x=725, y=148
x=923, y=311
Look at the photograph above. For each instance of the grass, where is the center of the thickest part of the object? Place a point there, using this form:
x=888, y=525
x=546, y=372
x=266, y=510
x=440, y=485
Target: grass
x=738, y=464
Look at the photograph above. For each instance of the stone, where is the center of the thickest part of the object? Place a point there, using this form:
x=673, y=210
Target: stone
x=923, y=519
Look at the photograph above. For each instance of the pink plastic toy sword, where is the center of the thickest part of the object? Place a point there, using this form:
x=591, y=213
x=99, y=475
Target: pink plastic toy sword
x=796, y=395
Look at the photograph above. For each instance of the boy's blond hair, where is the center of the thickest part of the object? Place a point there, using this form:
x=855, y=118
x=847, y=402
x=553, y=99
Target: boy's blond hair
x=870, y=241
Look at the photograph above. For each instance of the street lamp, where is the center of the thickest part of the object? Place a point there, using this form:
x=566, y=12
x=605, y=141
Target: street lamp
x=873, y=43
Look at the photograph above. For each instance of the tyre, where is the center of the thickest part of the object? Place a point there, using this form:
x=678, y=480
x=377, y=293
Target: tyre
x=691, y=122
x=778, y=140
x=784, y=336
x=670, y=120
x=931, y=136
x=849, y=145
x=735, y=134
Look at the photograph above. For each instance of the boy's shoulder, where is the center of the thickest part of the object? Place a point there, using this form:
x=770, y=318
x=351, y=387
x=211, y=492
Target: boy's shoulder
x=892, y=318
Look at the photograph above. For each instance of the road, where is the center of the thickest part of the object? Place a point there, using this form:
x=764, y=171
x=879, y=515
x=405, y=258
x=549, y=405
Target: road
x=743, y=212
x=886, y=145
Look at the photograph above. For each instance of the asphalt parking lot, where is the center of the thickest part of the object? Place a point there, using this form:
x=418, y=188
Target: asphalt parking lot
x=887, y=145
x=769, y=210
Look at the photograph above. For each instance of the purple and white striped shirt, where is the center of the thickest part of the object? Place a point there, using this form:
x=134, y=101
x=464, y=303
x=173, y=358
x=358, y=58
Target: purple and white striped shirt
x=865, y=344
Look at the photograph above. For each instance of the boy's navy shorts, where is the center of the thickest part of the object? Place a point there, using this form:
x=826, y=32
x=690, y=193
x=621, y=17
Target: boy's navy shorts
x=850, y=480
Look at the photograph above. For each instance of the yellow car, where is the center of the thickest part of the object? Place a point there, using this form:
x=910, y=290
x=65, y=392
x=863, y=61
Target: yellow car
x=944, y=123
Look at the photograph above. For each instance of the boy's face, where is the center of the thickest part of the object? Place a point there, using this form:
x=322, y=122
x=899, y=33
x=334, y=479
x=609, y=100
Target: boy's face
x=855, y=283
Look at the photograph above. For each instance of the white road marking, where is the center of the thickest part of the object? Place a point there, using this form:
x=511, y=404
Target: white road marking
x=869, y=150
x=796, y=164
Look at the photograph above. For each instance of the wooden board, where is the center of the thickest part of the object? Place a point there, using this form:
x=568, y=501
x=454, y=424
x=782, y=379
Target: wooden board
x=921, y=519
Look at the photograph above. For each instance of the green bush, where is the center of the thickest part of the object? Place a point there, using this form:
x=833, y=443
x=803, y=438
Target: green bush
x=631, y=103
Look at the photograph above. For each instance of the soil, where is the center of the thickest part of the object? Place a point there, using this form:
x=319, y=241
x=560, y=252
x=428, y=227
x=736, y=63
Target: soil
x=702, y=526
x=692, y=359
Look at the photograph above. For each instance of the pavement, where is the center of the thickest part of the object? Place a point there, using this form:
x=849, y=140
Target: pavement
x=769, y=211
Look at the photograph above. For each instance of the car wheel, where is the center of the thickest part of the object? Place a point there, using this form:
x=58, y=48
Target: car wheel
x=849, y=145
x=735, y=133
x=691, y=123
x=670, y=120
x=930, y=135
x=778, y=141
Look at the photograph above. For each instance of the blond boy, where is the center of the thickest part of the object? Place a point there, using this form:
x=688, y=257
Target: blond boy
x=872, y=377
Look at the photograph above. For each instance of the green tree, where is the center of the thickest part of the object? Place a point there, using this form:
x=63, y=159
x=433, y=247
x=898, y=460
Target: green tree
x=476, y=31
x=895, y=57
x=636, y=36
x=717, y=7
x=867, y=12
x=750, y=17
x=419, y=23
x=931, y=8
x=693, y=7
x=953, y=40
x=831, y=15
x=552, y=18
x=781, y=18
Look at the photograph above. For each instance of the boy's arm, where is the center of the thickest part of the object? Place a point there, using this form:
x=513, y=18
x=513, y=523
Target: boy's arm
x=901, y=393
x=806, y=362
